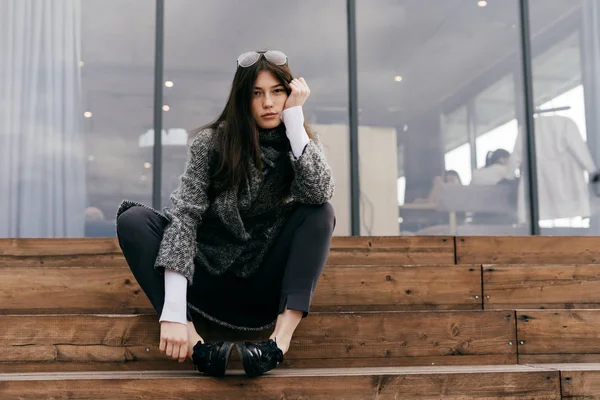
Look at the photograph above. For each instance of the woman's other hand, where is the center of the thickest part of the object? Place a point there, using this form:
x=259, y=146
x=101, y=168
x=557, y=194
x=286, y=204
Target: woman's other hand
x=174, y=340
x=299, y=93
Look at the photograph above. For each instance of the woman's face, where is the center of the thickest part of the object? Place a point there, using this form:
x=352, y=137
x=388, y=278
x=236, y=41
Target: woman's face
x=268, y=99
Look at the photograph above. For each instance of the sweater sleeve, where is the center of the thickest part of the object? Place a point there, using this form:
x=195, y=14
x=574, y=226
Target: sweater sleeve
x=313, y=182
x=190, y=201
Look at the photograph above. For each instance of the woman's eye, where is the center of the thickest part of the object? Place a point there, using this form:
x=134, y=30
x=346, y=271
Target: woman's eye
x=279, y=90
x=257, y=93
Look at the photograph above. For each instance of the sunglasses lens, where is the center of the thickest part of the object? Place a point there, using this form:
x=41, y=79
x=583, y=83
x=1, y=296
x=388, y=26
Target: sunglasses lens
x=248, y=59
x=276, y=57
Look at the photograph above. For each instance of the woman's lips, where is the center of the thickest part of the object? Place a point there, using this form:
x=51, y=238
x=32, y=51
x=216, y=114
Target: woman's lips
x=270, y=116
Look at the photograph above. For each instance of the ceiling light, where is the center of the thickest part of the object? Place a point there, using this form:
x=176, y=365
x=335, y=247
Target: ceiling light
x=398, y=78
x=166, y=108
x=147, y=165
x=91, y=157
x=81, y=64
x=144, y=178
x=169, y=83
x=87, y=114
x=482, y=3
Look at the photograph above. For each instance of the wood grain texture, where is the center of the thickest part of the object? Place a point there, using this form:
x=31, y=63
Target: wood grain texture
x=569, y=250
x=392, y=250
x=558, y=358
x=114, y=290
x=382, y=250
x=539, y=385
x=558, y=335
x=581, y=385
x=424, y=337
x=163, y=364
x=58, y=247
x=65, y=290
x=405, y=287
x=541, y=286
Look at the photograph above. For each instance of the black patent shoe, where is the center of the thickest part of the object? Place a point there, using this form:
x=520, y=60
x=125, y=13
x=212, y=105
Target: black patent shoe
x=212, y=358
x=258, y=358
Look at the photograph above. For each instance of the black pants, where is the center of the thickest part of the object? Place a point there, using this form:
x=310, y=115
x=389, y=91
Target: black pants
x=286, y=279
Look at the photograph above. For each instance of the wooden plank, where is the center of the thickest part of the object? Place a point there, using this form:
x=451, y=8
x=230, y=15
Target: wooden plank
x=69, y=290
x=567, y=250
x=58, y=247
x=541, y=286
x=64, y=261
x=166, y=364
x=558, y=358
x=43, y=367
x=354, y=385
x=436, y=287
x=390, y=250
x=114, y=290
x=558, y=335
x=63, y=246
x=474, y=337
x=581, y=385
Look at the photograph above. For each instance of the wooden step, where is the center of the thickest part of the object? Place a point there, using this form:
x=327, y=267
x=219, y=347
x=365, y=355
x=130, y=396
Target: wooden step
x=579, y=381
x=541, y=286
x=399, y=288
x=456, y=383
x=558, y=336
x=35, y=289
x=567, y=250
x=91, y=276
x=351, y=250
x=322, y=340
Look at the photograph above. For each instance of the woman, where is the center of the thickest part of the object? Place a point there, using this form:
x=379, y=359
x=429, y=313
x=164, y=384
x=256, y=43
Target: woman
x=249, y=231
x=496, y=169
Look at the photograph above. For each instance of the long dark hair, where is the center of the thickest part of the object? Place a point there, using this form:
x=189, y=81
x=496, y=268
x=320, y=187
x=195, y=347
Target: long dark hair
x=237, y=140
x=493, y=157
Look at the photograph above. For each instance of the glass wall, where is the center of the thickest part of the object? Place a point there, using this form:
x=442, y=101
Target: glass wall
x=566, y=67
x=76, y=92
x=440, y=107
x=440, y=97
x=199, y=70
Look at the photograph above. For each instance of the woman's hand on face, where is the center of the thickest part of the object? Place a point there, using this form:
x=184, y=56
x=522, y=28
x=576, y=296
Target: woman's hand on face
x=299, y=93
x=174, y=340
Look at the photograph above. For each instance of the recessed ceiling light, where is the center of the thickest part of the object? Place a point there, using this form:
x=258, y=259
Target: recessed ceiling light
x=169, y=83
x=144, y=178
x=81, y=63
x=147, y=165
x=398, y=78
x=91, y=157
x=482, y=3
x=166, y=108
x=87, y=114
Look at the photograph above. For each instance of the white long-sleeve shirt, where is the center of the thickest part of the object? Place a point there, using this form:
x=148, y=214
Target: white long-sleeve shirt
x=174, y=309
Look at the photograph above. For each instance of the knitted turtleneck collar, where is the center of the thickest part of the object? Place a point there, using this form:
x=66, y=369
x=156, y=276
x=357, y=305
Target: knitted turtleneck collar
x=273, y=142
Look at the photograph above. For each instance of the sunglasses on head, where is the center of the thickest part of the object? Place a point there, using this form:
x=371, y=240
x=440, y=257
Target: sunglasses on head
x=250, y=58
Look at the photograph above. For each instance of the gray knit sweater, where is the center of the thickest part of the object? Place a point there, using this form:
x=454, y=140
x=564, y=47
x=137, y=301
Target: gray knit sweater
x=234, y=230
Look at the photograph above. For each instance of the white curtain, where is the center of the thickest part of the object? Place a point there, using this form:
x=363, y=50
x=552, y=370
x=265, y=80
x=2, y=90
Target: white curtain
x=42, y=158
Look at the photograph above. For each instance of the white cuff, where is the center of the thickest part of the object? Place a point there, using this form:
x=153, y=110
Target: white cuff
x=293, y=118
x=175, y=307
